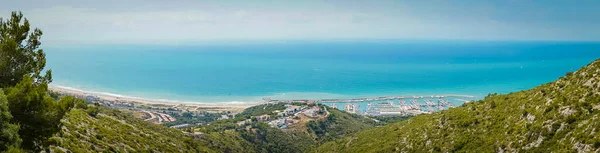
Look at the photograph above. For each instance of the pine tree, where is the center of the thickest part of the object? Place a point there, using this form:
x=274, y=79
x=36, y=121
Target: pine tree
x=20, y=55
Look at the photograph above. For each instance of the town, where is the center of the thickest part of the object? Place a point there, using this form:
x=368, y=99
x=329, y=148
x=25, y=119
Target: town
x=389, y=106
x=291, y=115
x=296, y=111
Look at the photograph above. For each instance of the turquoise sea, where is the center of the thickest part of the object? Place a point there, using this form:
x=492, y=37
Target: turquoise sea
x=245, y=73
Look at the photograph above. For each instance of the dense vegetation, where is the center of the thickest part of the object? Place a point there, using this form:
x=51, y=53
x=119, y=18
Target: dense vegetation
x=269, y=139
x=9, y=136
x=561, y=116
x=225, y=135
x=20, y=55
x=32, y=110
x=116, y=131
x=261, y=109
x=193, y=118
x=338, y=125
x=384, y=120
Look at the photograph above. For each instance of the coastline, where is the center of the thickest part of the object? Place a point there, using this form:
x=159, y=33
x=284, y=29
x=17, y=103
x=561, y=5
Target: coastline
x=192, y=106
x=141, y=104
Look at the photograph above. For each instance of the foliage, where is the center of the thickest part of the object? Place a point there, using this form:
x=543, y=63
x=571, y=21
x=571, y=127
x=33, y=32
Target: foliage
x=92, y=111
x=79, y=103
x=269, y=139
x=14, y=149
x=32, y=108
x=29, y=104
x=261, y=109
x=561, y=116
x=9, y=133
x=193, y=118
x=260, y=137
x=384, y=120
x=226, y=141
x=116, y=131
x=19, y=53
x=338, y=125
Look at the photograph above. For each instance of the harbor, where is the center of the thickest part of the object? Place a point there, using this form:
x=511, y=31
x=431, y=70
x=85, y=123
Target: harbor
x=389, y=105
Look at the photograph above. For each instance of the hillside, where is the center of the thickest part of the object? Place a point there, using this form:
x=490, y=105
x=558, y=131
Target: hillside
x=338, y=125
x=560, y=116
x=115, y=131
x=226, y=135
x=101, y=129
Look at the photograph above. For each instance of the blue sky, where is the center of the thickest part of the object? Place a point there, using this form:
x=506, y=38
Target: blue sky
x=162, y=21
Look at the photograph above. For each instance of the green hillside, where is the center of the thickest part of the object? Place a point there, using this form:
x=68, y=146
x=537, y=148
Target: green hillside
x=338, y=125
x=100, y=129
x=562, y=116
x=115, y=131
x=226, y=136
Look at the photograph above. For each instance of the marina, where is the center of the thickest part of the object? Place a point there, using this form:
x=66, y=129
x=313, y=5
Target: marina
x=389, y=105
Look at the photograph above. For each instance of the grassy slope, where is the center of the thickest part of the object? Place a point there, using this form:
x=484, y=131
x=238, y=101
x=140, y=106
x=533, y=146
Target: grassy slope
x=338, y=125
x=561, y=116
x=116, y=131
x=226, y=141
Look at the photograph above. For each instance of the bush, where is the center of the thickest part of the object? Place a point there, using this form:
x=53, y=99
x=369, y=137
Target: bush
x=9, y=136
x=92, y=111
x=15, y=150
x=80, y=104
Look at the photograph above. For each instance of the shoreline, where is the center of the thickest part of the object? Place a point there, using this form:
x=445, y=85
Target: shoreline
x=130, y=102
x=112, y=97
x=100, y=96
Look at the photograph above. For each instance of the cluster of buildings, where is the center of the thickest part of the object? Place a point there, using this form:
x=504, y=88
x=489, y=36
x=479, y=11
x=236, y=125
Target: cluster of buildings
x=352, y=108
x=403, y=107
x=407, y=105
x=281, y=123
x=158, y=118
x=286, y=117
x=120, y=104
x=407, y=108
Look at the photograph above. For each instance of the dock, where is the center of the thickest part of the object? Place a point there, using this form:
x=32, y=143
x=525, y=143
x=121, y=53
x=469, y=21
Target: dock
x=387, y=105
x=354, y=100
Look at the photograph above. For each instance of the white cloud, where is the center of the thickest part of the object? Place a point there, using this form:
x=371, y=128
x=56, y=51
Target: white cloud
x=203, y=21
x=70, y=24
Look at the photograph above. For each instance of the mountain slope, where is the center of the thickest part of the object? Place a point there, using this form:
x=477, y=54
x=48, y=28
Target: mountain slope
x=115, y=131
x=226, y=136
x=562, y=116
x=112, y=130
x=338, y=125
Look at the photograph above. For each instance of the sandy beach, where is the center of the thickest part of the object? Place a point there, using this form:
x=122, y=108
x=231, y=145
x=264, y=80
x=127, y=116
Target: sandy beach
x=191, y=106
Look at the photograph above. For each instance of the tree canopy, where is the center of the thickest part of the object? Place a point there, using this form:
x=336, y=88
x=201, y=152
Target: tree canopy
x=9, y=136
x=33, y=112
x=20, y=55
x=36, y=112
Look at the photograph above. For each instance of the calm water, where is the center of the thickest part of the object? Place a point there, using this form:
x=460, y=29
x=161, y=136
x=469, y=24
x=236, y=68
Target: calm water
x=307, y=70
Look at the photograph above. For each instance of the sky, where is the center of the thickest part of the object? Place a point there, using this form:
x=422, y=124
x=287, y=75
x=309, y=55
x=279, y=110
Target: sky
x=196, y=21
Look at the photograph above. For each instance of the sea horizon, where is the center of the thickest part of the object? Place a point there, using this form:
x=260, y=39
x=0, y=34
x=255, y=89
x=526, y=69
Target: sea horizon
x=306, y=70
